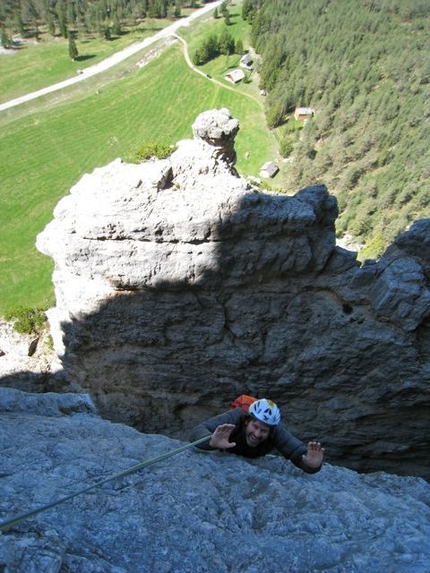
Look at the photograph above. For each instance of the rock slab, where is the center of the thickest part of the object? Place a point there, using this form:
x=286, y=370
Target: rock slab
x=193, y=512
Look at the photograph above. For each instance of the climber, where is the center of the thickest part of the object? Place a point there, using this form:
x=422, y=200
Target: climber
x=255, y=433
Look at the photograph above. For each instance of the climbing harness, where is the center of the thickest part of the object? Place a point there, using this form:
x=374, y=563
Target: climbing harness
x=17, y=519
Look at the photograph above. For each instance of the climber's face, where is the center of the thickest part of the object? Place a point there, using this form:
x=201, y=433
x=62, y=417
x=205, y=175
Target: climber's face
x=256, y=433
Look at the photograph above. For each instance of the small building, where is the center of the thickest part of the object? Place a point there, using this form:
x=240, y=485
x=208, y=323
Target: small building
x=269, y=170
x=246, y=62
x=235, y=76
x=302, y=113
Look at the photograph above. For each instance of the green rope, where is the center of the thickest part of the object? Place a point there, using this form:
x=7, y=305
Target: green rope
x=17, y=519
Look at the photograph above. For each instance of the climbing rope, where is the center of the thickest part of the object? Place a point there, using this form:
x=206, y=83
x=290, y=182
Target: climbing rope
x=17, y=519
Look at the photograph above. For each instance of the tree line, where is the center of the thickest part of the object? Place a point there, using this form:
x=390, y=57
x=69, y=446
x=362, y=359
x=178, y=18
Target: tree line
x=106, y=17
x=363, y=67
x=215, y=46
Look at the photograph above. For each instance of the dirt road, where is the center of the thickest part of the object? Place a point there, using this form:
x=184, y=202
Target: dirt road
x=114, y=59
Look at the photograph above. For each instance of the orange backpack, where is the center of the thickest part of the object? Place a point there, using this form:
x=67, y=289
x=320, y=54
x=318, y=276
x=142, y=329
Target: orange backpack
x=243, y=401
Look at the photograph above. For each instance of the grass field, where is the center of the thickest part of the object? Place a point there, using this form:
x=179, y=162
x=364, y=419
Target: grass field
x=48, y=144
x=34, y=65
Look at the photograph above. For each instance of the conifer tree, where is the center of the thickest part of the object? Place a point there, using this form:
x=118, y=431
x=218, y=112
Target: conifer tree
x=73, y=50
x=19, y=25
x=5, y=39
x=116, y=26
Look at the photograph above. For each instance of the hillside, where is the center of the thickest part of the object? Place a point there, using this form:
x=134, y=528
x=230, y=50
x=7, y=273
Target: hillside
x=364, y=69
x=47, y=145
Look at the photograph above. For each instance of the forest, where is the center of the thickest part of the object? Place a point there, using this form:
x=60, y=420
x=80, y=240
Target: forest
x=363, y=66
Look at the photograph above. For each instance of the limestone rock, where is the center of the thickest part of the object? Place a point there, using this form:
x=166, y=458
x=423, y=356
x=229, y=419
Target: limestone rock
x=26, y=362
x=46, y=404
x=182, y=513
x=179, y=287
x=218, y=128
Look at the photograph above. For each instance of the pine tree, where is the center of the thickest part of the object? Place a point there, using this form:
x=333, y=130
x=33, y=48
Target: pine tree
x=5, y=39
x=226, y=43
x=19, y=25
x=73, y=50
x=116, y=26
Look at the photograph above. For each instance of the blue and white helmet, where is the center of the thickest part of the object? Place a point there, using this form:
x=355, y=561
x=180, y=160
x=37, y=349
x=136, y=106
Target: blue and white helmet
x=266, y=411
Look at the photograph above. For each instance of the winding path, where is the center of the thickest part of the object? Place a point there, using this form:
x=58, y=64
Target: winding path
x=213, y=80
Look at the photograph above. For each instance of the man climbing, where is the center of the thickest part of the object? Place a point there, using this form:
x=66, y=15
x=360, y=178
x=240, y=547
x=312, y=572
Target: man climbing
x=255, y=433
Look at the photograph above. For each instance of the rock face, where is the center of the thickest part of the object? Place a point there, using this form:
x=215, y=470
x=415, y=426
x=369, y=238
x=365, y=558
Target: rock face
x=179, y=287
x=182, y=514
x=26, y=361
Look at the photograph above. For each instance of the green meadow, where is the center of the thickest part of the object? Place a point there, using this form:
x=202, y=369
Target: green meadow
x=34, y=65
x=48, y=144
